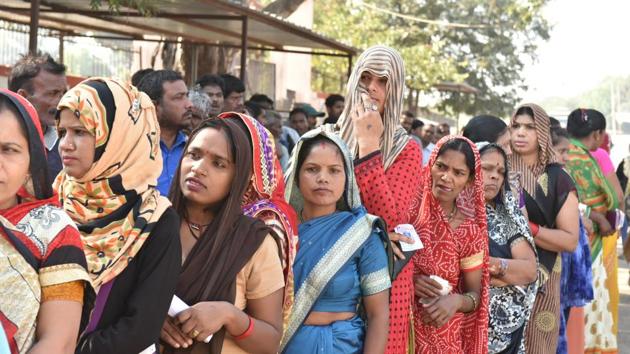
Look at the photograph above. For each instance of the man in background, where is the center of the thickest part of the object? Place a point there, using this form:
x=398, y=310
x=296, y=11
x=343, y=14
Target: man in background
x=234, y=94
x=334, y=107
x=169, y=94
x=407, y=120
x=42, y=81
x=214, y=87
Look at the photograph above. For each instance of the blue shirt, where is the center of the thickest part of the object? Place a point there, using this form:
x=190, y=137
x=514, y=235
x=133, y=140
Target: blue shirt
x=170, y=161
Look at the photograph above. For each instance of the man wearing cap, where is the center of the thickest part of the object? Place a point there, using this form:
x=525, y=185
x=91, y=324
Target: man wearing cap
x=312, y=114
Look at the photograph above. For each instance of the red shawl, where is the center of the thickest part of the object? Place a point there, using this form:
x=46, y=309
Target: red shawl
x=443, y=253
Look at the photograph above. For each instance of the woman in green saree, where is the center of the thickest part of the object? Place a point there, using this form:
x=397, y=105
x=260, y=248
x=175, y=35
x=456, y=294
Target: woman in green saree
x=587, y=128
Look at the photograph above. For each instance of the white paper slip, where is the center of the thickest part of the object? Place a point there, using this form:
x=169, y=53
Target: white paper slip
x=150, y=350
x=177, y=306
x=409, y=231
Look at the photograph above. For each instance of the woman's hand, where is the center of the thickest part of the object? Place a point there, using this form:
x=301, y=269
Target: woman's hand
x=425, y=287
x=494, y=267
x=396, y=237
x=204, y=318
x=367, y=126
x=604, y=227
x=588, y=224
x=173, y=335
x=442, y=310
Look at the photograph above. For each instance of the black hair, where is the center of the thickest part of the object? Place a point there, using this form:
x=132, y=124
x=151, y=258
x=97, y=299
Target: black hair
x=484, y=128
x=232, y=84
x=409, y=114
x=332, y=99
x=211, y=80
x=139, y=75
x=254, y=109
x=153, y=83
x=37, y=166
x=525, y=110
x=261, y=98
x=553, y=122
x=417, y=123
x=460, y=145
x=306, y=149
x=28, y=67
x=298, y=110
x=583, y=122
x=557, y=133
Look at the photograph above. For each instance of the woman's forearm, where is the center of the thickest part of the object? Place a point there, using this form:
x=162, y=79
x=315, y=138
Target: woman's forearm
x=556, y=240
x=376, y=335
x=519, y=272
x=263, y=339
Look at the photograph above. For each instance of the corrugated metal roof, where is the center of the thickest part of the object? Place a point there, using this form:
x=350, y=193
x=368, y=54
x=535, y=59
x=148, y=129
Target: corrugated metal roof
x=199, y=21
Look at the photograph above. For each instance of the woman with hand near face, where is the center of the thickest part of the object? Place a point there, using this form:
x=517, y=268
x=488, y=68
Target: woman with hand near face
x=552, y=208
x=513, y=259
x=110, y=151
x=232, y=275
x=341, y=261
x=387, y=165
x=452, y=225
x=43, y=276
x=587, y=128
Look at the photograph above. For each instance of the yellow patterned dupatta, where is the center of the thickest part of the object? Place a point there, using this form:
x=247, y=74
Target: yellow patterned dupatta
x=116, y=204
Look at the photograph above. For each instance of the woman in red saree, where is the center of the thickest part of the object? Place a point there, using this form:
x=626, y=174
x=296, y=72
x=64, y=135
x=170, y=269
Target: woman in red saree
x=387, y=165
x=453, y=230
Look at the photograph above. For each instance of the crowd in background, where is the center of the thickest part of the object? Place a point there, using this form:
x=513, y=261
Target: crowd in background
x=153, y=217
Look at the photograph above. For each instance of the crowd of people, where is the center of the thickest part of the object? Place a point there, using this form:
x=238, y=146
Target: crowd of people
x=150, y=217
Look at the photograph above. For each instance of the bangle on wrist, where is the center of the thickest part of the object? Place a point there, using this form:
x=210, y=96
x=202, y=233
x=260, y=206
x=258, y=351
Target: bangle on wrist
x=248, y=331
x=503, y=266
x=472, y=298
x=535, y=228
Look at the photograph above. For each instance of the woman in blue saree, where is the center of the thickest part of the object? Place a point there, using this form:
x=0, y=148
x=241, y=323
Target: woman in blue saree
x=341, y=264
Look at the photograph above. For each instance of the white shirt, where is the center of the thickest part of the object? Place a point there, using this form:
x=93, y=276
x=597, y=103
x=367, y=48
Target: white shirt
x=426, y=153
x=50, y=138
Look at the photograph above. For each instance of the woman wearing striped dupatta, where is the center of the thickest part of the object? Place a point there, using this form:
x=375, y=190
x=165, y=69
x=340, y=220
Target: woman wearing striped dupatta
x=586, y=127
x=387, y=166
x=552, y=208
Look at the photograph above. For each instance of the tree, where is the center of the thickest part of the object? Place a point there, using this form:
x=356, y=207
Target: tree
x=481, y=42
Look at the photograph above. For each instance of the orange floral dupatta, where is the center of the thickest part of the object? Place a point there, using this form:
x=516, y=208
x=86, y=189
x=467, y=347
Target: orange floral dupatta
x=116, y=204
x=449, y=253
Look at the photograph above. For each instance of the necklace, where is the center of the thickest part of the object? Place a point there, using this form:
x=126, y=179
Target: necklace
x=195, y=229
x=450, y=215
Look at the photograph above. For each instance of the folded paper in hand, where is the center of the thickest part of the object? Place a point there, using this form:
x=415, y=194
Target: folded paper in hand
x=177, y=306
x=409, y=231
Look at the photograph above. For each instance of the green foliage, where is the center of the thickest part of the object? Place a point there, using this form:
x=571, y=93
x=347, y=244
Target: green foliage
x=486, y=48
x=145, y=7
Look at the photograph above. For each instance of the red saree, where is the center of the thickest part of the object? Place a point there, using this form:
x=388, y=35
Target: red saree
x=392, y=194
x=449, y=254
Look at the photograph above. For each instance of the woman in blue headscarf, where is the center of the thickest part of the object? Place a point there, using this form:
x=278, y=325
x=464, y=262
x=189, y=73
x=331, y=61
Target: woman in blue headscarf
x=341, y=261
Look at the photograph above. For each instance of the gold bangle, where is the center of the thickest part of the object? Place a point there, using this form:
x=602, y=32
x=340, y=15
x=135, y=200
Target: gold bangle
x=472, y=298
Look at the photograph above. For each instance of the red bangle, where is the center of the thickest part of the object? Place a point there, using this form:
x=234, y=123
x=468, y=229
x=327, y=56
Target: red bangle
x=535, y=228
x=248, y=331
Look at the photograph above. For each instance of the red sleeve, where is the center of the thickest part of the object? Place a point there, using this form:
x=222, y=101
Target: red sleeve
x=389, y=194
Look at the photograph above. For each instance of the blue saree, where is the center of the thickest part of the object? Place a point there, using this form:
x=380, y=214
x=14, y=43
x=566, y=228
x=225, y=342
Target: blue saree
x=340, y=260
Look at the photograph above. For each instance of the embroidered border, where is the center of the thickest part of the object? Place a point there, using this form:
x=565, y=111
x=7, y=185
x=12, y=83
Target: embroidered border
x=62, y=273
x=472, y=262
x=323, y=271
x=375, y=282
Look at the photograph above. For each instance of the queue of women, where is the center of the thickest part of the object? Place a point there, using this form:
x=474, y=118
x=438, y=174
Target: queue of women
x=518, y=246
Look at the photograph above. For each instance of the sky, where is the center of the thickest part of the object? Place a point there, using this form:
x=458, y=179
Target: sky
x=589, y=41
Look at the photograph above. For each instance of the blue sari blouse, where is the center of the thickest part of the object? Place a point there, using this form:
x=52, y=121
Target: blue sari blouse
x=364, y=274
